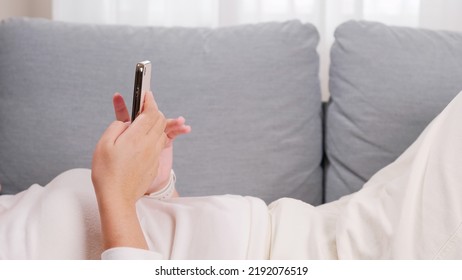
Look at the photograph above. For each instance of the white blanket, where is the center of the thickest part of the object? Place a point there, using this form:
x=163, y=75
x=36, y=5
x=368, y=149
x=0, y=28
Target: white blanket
x=61, y=221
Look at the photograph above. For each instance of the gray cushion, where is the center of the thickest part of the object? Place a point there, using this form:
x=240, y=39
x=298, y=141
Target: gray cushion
x=386, y=84
x=251, y=94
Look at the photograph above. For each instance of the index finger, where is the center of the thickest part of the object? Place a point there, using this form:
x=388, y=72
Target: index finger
x=120, y=109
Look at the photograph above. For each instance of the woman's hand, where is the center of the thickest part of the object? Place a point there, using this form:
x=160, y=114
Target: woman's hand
x=126, y=158
x=174, y=128
x=125, y=163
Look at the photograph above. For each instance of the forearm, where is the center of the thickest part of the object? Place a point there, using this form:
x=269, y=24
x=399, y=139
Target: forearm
x=119, y=220
x=120, y=225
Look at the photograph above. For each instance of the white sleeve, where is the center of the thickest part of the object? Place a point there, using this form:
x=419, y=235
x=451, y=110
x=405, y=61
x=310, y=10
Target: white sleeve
x=128, y=253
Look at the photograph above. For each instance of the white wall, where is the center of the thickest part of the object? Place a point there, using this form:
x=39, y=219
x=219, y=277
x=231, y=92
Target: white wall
x=26, y=8
x=445, y=14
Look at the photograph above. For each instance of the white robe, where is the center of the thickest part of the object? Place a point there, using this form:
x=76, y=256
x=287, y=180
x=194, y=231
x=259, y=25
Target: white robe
x=411, y=209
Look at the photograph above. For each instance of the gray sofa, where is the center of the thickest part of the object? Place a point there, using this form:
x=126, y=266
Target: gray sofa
x=251, y=94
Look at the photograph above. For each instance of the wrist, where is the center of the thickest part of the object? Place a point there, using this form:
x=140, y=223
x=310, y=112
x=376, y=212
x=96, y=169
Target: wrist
x=115, y=204
x=111, y=193
x=114, y=201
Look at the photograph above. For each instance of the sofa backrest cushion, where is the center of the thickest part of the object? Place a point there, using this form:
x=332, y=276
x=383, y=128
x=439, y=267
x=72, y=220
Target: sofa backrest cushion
x=251, y=94
x=386, y=84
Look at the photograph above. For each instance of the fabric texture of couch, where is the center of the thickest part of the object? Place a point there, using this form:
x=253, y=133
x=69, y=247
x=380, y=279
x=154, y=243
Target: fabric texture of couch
x=386, y=85
x=251, y=94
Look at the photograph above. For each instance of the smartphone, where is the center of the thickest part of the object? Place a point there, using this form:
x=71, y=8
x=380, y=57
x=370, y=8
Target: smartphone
x=142, y=85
